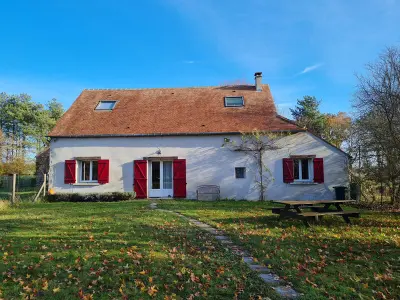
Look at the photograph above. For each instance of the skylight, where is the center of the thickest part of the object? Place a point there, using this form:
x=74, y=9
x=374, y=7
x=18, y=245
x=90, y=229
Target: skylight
x=234, y=101
x=106, y=105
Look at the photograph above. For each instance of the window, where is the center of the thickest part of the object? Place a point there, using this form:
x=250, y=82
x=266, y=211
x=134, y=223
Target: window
x=240, y=172
x=234, y=101
x=106, y=105
x=303, y=169
x=89, y=171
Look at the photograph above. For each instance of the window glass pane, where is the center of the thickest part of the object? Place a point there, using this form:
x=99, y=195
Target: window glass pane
x=106, y=105
x=240, y=172
x=155, y=175
x=85, y=171
x=167, y=175
x=233, y=101
x=94, y=170
x=304, y=169
x=296, y=169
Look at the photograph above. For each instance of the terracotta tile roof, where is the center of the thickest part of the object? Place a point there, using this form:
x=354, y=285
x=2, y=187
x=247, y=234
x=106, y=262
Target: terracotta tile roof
x=172, y=111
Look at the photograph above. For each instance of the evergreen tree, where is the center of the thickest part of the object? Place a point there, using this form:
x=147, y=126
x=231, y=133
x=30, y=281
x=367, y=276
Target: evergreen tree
x=307, y=115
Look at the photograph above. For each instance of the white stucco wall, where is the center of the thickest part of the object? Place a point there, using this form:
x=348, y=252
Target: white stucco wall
x=207, y=163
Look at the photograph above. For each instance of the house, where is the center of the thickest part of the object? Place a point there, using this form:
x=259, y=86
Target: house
x=165, y=142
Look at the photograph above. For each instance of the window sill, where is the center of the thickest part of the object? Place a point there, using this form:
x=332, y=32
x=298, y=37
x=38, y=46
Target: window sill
x=87, y=183
x=304, y=183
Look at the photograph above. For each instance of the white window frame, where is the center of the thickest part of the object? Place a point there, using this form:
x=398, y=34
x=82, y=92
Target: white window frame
x=227, y=97
x=80, y=169
x=310, y=170
x=106, y=109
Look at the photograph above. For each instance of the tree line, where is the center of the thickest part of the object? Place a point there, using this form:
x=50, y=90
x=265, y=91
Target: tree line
x=372, y=135
x=24, y=125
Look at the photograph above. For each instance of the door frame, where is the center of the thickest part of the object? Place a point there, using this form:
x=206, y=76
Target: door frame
x=160, y=193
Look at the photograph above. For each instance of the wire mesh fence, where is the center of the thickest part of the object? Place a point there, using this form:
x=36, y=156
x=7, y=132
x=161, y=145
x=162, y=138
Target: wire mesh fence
x=25, y=187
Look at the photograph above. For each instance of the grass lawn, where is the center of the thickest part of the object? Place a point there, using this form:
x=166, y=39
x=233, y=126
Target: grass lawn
x=115, y=251
x=329, y=260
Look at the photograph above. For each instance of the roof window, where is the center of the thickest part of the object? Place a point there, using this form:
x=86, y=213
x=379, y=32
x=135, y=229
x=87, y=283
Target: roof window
x=234, y=101
x=106, y=105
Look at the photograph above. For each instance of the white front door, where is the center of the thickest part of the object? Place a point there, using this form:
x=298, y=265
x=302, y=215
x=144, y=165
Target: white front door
x=160, y=179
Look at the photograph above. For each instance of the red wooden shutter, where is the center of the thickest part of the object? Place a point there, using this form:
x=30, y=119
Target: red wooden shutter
x=103, y=170
x=140, y=178
x=70, y=171
x=288, y=171
x=179, y=170
x=319, y=170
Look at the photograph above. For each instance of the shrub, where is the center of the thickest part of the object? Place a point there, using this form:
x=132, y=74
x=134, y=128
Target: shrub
x=103, y=197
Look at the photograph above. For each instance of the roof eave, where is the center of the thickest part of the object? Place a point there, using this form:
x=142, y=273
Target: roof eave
x=165, y=134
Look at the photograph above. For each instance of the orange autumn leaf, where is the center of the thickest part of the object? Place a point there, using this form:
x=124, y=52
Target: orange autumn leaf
x=45, y=285
x=152, y=290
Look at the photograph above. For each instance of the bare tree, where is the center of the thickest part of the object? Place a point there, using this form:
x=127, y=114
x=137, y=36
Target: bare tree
x=377, y=104
x=255, y=145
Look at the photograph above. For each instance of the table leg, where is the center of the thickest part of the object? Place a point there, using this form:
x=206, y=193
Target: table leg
x=339, y=208
x=326, y=206
x=284, y=212
x=345, y=218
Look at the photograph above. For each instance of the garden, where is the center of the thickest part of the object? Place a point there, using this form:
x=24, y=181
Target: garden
x=328, y=260
x=118, y=250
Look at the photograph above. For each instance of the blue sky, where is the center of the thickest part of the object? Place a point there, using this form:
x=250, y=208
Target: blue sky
x=57, y=48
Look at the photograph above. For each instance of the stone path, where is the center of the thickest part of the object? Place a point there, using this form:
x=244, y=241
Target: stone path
x=282, y=288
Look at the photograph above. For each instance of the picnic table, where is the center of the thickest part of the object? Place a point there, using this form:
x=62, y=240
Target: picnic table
x=315, y=210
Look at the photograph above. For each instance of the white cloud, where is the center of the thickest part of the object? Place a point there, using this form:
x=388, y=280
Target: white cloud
x=310, y=68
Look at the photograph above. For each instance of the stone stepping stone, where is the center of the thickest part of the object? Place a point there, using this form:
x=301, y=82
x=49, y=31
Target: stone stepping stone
x=259, y=268
x=240, y=252
x=211, y=230
x=286, y=292
x=202, y=225
x=248, y=259
x=226, y=242
x=221, y=237
x=270, y=278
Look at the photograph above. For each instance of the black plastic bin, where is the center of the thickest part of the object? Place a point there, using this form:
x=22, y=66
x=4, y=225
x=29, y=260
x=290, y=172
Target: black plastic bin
x=340, y=192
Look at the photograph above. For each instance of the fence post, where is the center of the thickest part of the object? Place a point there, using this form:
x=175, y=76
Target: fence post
x=44, y=184
x=14, y=186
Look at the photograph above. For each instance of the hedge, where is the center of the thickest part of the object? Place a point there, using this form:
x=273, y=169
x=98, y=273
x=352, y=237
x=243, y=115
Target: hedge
x=93, y=197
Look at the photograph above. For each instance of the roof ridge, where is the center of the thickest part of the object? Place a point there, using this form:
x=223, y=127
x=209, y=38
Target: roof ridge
x=167, y=88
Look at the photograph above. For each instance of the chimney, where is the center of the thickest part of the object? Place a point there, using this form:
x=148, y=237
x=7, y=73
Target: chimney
x=258, y=80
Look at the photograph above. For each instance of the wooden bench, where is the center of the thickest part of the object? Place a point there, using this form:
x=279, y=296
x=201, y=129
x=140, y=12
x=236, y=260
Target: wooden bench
x=316, y=215
x=355, y=214
x=277, y=210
